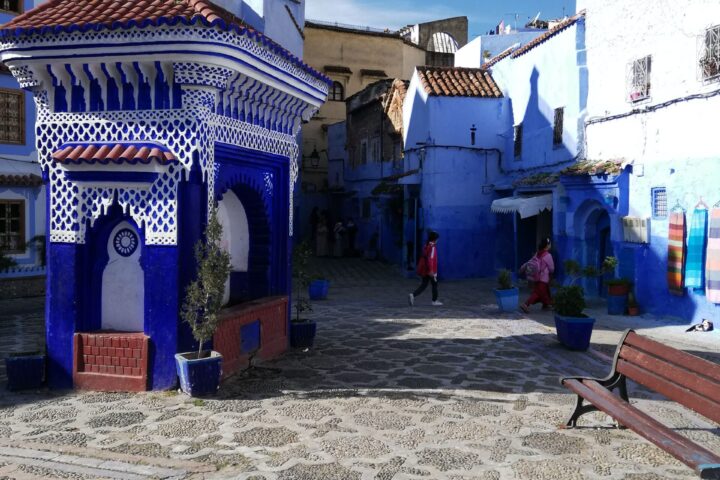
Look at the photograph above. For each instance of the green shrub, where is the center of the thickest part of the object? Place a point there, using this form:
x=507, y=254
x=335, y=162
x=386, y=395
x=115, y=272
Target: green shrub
x=504, y=279
x=570, y=301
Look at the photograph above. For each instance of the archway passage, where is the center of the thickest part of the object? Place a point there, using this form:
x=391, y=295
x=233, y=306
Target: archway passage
x=123, y=282
x=595, y=241
x=442, y=42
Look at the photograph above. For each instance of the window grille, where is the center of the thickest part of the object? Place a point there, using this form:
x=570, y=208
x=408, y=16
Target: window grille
x=12, y=116
x=709, y=60
x=12, y=226
x=639, y=79
x=14, y=6
x=337, y=92
x=517, y=141
x=558, y=126
x=659, y=202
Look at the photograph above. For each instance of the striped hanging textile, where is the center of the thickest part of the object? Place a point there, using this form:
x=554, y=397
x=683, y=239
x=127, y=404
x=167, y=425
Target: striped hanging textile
x=712, y=265
x=696, y=246
x=676, y=253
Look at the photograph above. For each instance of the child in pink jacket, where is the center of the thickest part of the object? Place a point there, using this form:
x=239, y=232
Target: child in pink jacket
x=541, y=282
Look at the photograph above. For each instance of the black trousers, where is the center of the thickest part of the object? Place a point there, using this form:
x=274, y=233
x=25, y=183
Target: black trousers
x=431, y=280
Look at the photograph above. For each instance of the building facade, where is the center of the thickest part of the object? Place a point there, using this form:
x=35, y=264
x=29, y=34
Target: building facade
x=136, y=149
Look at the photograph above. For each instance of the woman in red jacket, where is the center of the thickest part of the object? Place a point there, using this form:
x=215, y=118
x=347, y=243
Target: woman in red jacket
x=427, y=269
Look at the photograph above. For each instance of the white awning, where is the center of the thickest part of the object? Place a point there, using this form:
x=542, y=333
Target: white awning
x=526, y=206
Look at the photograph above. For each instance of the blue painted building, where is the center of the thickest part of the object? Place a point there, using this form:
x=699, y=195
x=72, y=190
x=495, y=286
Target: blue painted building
x=22, y=195
x=182, y=108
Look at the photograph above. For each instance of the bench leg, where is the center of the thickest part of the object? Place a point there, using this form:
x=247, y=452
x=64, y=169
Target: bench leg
x=580, y=410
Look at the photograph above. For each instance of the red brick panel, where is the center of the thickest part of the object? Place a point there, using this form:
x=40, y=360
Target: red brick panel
x=111, y=361
x=272, y=313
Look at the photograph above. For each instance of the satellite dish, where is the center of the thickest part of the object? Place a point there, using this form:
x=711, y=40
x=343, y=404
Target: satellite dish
x=536, y=18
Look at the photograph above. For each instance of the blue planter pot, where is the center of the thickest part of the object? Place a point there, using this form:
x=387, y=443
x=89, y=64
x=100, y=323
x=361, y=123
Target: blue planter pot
x=318, y=289
x=616, y=304
x=199, y=377
x=302, y=334
x=508, y=300
x=25, y=370
x=574, y=332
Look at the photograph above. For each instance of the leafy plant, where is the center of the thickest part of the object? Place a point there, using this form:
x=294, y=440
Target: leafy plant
x=301, y=279
x=504, y=279
x=204, y=296
x=6, y=261
x=570, y=299
x=37, y=243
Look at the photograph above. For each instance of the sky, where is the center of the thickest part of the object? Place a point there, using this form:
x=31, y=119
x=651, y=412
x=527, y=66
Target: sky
x=483, y=15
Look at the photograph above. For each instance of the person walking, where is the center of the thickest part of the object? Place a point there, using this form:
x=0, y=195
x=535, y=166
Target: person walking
x=538, y=270
x=321, y=238
x=427, y=267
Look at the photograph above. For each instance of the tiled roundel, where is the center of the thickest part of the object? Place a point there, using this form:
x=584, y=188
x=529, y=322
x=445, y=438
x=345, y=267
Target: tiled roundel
x=125, y=242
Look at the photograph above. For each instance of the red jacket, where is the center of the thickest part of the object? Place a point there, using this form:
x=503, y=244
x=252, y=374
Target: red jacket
x=431, y=261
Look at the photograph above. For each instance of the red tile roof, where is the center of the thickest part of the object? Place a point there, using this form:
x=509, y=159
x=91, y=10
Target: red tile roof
x=23, y=180
x=505, y=53
x=113, y=153
x=549, y=34
x=458, y=82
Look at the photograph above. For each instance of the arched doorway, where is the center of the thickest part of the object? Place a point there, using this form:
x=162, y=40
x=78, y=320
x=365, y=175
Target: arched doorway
x=235, y=236
x=595, y=237
x=123, y=281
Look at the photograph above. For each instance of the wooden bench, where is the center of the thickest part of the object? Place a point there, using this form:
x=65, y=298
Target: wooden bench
x=686, y=379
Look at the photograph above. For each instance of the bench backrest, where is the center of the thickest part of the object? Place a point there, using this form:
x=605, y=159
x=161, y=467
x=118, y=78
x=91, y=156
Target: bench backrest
x=684, y=378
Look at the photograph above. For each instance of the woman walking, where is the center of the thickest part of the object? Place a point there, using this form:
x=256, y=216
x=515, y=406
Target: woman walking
x=538, y=270
x=427, y=269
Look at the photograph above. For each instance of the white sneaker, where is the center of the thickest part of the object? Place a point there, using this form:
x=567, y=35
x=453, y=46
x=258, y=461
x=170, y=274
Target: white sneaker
x=437, y=303
x=411, y=299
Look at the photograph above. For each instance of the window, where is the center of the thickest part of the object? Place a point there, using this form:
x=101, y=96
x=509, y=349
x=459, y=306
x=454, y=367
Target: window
x=363, y=152
x=337, y=92
x=659, y=203
x=517, y=140
x=366, y=210
x=12, y=226
x=639, y=79
x=14, y=6
x=710, y=54
x=12, y=116
x=558, y=126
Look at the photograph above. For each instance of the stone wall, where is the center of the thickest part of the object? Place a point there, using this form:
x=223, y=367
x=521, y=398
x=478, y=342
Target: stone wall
x=22, y=287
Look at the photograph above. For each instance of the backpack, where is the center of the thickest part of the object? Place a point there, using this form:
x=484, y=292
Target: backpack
x=532, y=268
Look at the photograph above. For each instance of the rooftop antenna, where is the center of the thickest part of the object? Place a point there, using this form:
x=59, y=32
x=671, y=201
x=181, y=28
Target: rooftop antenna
x=535, y=19
x=516, y=15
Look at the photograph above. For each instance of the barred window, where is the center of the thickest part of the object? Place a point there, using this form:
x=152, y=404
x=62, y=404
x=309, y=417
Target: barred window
x=12, y=116
x=558, y=126
x=14, y=6
x=517, y=139
x=639, y=79
x=659, y=203
x=12, y=226
x=710, y=54
x=337, y=92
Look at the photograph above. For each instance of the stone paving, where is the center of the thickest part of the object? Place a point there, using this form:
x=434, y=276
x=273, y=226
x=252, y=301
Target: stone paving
x=390, y=392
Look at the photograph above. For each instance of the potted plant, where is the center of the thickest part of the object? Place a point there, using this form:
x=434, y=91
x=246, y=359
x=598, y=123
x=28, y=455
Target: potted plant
x=200, y=371
x=633, y=308
x=318, y=289
x=508, y=296
x=302, y=330
x=25, y=370
x=573, y=327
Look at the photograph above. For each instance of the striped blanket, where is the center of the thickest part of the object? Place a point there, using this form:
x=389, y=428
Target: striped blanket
x=696, y=245
x=676, y=253
x=712, y=265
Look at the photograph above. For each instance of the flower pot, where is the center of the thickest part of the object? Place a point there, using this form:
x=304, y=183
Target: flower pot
x=302, y=334
x=618, y=289
x=199, y=376
x=633, y=311
x=616, y=304
x=574, y=332
x=318, y=289
x=25, y=370
x=508, y=300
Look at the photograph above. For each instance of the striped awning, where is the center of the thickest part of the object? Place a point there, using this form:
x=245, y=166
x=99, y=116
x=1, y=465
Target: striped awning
x=527, y=206
x=117, y=153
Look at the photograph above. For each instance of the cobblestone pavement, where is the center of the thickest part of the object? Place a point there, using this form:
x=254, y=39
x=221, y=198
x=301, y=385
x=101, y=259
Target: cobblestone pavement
x=390, y=392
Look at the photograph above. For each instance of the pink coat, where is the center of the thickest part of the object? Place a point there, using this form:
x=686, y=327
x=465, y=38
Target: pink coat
x=548, y=266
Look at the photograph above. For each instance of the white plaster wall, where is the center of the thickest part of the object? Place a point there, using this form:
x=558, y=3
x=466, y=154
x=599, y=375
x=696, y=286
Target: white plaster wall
x=123, y=288
x=470, y=56
x=415, y=114
x=235, y=235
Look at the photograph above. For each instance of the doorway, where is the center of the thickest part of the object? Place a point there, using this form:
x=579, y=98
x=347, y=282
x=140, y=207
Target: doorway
x=123, y=282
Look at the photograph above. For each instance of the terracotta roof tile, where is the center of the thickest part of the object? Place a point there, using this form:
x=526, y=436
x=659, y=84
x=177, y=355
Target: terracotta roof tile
x=458, y=82
x=74, y=153
x=549, y=34
x=504, y=54
x=22, y=180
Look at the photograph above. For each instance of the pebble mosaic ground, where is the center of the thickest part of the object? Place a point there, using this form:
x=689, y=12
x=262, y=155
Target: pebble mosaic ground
x=390, y=392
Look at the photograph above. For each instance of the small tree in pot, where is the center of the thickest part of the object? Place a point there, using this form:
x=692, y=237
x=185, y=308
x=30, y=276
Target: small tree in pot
x=507, y=295
x=302, y=330
x=200, y=371
x=572, y=325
